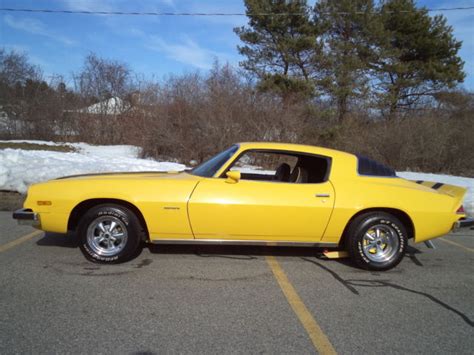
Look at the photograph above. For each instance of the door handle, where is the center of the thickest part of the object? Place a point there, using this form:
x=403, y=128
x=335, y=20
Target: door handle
x=323, y=195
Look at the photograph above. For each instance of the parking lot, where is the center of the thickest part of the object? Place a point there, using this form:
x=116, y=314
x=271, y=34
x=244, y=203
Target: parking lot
x=188, y=299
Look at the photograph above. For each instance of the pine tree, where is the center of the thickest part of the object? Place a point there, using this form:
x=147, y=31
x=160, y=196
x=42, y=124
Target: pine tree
x=351, y=51
x=280, y=48
x=344, y=25
x=418, y=55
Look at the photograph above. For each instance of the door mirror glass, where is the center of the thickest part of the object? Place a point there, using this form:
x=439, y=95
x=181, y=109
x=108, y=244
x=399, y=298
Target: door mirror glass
x=232, y=177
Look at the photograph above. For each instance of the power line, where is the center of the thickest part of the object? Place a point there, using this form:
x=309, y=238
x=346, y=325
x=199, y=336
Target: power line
x=80, y=12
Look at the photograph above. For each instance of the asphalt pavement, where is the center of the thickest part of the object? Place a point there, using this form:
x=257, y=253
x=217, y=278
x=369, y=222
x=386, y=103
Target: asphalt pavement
x=225, y=299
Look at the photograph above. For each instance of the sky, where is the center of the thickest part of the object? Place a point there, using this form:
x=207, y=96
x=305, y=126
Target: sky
x=156, y=46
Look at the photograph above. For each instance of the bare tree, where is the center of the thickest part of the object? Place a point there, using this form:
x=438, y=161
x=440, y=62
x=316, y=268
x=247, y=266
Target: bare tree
x=101, y=79
x=16, y=68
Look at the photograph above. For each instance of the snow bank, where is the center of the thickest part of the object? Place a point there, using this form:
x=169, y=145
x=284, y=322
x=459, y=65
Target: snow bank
x=20, y=168
x=128, y=151
x=118, y=151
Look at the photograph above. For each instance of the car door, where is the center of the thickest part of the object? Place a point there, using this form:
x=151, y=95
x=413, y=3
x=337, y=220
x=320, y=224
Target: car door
x=260, y=210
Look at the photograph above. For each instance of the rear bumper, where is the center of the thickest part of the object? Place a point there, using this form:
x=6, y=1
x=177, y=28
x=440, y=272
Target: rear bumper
x=27, y=216
x=463, y=223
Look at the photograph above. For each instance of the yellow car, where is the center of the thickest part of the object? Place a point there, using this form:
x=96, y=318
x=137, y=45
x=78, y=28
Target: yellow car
x=251, y=193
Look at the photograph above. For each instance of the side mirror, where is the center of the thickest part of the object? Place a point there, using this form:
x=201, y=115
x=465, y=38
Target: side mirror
x=233, y=177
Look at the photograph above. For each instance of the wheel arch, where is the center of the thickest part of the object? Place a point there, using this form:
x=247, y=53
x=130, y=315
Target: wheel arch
x=401, y=215
x=81, y=208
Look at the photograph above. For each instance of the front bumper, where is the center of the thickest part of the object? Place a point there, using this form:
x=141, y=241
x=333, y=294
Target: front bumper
x=463, y=223
x=27, y=216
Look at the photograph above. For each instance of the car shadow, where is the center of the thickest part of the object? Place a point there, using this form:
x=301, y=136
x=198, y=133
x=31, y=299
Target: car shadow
x=68, y=240
x=412, y=255
x=232, y=251
x=241, y=252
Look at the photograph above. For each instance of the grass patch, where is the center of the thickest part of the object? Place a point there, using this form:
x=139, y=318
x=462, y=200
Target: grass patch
x=35, y=146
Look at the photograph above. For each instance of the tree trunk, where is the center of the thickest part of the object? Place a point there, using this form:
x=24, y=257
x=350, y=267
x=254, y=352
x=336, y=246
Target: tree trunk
x=342, y=107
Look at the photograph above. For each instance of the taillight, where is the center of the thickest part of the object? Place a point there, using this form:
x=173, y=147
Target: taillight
x=461, y=210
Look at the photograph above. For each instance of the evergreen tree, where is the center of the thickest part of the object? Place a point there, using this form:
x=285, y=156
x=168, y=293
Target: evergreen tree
x=280, y=48
x=351, y=50
x=344, y=25
x=418, y=55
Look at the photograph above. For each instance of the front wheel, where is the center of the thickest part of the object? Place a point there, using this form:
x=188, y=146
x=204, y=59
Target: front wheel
x=376, y=241
x=110, y=234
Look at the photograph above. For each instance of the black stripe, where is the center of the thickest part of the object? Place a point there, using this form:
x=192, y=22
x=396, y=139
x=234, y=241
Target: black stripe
x=437, y=186
x=419, y=181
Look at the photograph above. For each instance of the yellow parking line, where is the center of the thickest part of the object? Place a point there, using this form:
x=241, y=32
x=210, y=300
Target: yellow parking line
x=457, y=244
x=317, y=336
x=20, y=240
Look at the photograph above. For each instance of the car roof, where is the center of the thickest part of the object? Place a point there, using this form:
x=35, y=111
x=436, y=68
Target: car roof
x=302, y=148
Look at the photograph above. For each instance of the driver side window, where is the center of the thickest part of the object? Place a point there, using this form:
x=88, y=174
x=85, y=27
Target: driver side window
x=281, y=167
x=255, y=165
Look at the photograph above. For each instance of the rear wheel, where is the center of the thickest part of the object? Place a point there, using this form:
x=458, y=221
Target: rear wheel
x=110, y=234
x=376, y=241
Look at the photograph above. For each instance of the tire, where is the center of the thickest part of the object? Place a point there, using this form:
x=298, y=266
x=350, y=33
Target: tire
x=376, y=241
x=110, y=234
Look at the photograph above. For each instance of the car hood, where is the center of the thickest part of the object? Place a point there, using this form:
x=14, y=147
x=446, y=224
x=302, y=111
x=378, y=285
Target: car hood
x=168, y=175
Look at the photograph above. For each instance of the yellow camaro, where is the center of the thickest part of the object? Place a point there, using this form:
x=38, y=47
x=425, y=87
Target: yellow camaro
x=251, y=193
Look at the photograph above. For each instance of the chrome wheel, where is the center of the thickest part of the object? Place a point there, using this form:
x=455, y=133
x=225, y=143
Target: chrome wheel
x=107, y=235
x=380, y=243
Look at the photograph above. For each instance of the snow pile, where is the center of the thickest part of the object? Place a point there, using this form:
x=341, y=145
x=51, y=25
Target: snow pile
x=107, y=151
x=450, y=180
x=20, y=168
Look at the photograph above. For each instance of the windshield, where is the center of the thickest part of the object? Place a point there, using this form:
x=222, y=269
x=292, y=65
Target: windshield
x=210, y=167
